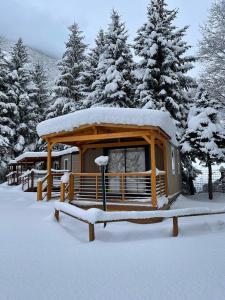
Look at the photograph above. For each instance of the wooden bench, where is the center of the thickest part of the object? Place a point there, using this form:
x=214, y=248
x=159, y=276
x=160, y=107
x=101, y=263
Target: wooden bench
x=96, y=216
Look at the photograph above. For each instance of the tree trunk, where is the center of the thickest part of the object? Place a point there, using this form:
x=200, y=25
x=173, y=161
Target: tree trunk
x=191, y=185
x=210, y=185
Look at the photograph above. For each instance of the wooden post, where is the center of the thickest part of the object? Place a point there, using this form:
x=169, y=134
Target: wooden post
x=71, y=187
x=81, y=166
x=28, y=181
x=57, y=214
x=175, y=226
x=165, y=166
x=153, y=173
x=62, y=191
x=81, y=159
x=39, y=190
x=49, y=170
x=32, y=179
x=91, y=232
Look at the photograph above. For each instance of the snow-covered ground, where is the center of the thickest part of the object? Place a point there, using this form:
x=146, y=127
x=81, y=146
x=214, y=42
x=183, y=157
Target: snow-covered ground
x=41, y=259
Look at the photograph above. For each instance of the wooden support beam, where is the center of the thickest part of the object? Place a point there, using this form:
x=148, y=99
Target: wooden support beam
x=116, y=144
x=101, y=136
x=62, y=191
x=71, y=187
x=49, y=171
x=81, y=159
x=175, y=226
x=148, y=140
x=153, y=173
x=91, y=232
x=165, y=166
x=39, y=190
x=57, y=214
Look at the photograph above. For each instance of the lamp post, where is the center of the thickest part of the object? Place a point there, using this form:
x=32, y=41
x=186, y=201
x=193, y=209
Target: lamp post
x=102, y=162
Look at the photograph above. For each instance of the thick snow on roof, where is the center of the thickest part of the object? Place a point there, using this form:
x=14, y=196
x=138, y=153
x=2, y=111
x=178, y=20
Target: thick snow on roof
x=12, y=162
x=108, y=115
x=45, y=154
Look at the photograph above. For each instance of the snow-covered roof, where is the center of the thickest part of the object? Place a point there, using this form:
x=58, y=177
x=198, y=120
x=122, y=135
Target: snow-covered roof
x=45, y=154
x=109, y=115
x=12, y=162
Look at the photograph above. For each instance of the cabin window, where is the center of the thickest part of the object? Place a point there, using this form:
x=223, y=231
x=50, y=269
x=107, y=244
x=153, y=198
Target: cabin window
x=66, y=164
x=125, y=161
x=173, y=160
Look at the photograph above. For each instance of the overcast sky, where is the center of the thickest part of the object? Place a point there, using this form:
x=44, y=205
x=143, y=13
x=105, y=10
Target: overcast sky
x=43, y=23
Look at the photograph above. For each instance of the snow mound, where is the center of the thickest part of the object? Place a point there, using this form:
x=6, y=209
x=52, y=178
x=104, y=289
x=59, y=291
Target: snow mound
x=109, y=115
x=102, y=160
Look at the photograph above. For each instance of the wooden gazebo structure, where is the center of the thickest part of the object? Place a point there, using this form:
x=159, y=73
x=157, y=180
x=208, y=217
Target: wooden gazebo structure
x=99, y=129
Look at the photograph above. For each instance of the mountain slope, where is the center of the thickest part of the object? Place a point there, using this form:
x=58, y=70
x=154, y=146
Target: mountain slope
x=49, y=63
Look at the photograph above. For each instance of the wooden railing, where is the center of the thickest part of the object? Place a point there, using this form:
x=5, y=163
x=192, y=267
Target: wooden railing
x=30, y=178
x=130, y=187
x=55, y=184
x=13, y=178
x=41, y=187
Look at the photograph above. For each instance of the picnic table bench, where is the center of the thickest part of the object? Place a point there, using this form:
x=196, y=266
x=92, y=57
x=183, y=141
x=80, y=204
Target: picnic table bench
x=94, y=216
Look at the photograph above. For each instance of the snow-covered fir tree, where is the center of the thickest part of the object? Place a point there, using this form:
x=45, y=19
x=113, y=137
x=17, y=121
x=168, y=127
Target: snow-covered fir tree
x=40, y=99
x=40, y=95
x=90, y=75
x=67, y=92
x=19, y=93
x=6, y=115
x=212, y=52
x=204, y=137
x=114, y=85
x=162, y=70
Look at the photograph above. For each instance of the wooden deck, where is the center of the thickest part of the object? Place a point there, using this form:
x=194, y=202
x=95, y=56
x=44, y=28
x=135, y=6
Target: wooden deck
x=124, y=191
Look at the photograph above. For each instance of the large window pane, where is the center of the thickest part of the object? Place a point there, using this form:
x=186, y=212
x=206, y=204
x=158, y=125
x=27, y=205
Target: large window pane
x=135, y=162
x=116, y=165
x=127, y=160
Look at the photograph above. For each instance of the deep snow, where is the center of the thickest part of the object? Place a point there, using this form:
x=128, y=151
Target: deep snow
x=41, y=259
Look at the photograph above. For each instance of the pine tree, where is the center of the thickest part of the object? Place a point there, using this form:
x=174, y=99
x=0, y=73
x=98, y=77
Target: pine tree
x=40, y=94
x=6, y=115
x=114, y=84
x=162, y=70
x=40, y=99
x=19, y=92
x=212, y=52
x=90, y=75
x=204, y=137
x=67, y=92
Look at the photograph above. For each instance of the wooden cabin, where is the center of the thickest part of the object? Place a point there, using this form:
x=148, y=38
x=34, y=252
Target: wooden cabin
x=13, y=175
x=144, y=163
x=30, y=167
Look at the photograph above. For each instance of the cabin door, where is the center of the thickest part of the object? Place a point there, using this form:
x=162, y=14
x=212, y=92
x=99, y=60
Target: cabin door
x=124, y=161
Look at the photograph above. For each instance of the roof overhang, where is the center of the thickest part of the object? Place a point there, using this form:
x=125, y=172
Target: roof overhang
x=106, y=133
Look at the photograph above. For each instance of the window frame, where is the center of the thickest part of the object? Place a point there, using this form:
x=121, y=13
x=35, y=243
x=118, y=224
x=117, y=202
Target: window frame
x=173, y=160
x=65, y=164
